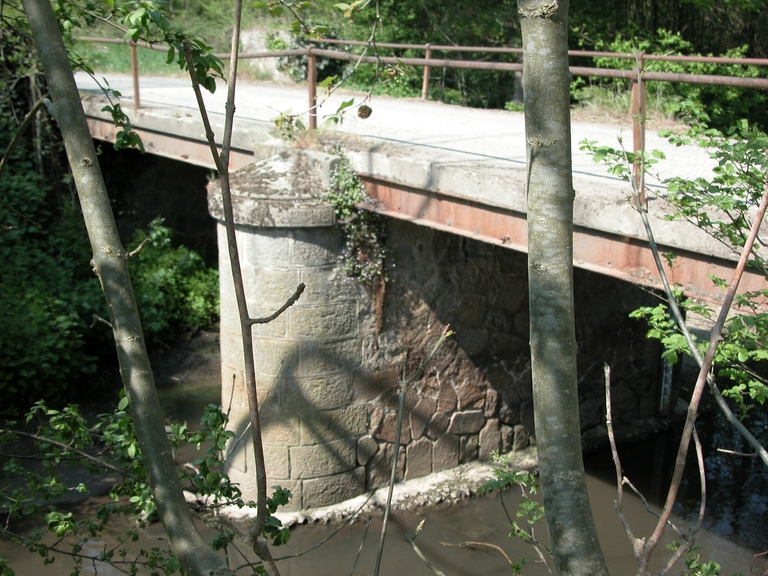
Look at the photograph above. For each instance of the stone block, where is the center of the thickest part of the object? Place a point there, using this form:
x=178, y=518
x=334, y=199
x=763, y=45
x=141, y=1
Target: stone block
x=388, y=429
x=445, y=453
x=279, y=428
x=489, y=439
x=327, y=282
x=320, y=426
x=273, y=357
x=420, y=415
x=520, y=439
x=473, y=341
x=507, y=436
x=268, y=248
x=469, y=422
x=275, y=461
x=366, y=449
x=321, y=393
x=268, y=288
x=333, y=489
x=470, y=396
x=379, y=468
x=315, y=247
x=471, y=310
x=247, y=484
x=438, y=424
x=468, y=448
x=447, y=399
x=321, y=358
x=323, y=459
x=368, y=384
x=330, y=322
x=418, y=459
x=491, y=403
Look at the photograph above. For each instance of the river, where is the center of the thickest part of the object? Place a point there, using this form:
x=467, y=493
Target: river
x=735, y=529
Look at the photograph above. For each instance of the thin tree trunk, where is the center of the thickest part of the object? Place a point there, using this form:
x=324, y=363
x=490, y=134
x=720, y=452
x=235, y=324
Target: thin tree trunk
x=111, y=266
x=550, y=283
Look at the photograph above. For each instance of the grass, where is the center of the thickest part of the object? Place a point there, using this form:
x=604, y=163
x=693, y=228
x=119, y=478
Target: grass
x=117, y=58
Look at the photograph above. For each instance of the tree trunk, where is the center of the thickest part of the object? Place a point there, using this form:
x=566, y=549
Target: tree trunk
x=111, y=266
x=550, y=283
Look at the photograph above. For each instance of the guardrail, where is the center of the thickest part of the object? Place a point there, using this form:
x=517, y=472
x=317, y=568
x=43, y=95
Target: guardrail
x=637, y=75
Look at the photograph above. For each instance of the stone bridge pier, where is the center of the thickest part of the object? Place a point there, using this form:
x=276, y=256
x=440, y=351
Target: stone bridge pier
x=327, y=385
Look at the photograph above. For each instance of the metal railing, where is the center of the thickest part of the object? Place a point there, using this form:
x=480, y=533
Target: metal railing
x=638, y=76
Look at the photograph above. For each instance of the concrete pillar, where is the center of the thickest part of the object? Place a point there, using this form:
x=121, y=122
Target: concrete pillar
x=305, y=358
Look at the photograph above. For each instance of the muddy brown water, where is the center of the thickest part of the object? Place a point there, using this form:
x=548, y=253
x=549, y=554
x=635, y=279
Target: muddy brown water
x=736, y=527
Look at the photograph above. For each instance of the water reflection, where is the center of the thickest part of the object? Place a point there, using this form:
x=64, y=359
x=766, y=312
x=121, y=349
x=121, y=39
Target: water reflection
x=735, y=523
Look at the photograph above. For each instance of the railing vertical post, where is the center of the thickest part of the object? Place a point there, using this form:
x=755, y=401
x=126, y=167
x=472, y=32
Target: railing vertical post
x=135, y=75
x=425, y=82
x=312, y=84
x=638, y=128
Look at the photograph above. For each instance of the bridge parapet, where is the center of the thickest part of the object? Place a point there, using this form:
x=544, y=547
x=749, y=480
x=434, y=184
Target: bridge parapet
x=480, y=198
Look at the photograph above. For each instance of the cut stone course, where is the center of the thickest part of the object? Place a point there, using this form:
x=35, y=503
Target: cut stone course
x=332, y=489
x=317, y=426
x=323, y=459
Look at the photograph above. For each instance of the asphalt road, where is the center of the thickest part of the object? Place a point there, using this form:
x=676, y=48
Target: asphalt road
x=430, y=129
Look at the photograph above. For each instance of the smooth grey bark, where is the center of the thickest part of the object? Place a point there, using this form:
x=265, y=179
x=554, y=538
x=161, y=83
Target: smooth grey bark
x=110, y=265
x=546, y=80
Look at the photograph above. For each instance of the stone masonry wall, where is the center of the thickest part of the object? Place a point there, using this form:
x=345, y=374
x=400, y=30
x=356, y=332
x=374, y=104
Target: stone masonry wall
x=476, y=396
x=327, y=383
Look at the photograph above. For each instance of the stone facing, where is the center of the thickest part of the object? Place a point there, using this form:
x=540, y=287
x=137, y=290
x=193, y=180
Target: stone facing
x=328, y=388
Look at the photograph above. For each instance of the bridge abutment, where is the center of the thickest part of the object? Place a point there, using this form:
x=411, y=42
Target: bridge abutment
x=327, y=384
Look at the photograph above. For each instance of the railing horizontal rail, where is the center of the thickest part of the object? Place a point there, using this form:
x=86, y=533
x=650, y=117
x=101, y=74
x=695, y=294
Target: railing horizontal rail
x=638, y=75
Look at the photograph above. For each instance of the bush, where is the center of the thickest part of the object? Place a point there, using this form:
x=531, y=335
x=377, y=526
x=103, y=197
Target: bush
x=723, y=104
x=175, y=291
x=48, y=292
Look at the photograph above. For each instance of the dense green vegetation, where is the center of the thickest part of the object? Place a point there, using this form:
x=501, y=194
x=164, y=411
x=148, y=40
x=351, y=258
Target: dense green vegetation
x=50, y=345
x=673, y=27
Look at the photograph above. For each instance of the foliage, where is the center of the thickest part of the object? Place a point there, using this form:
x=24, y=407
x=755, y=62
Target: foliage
x=47, y=293
x=529, y=510
x=296, y=66
x=62, y=439
x=175, y=290
x=723, y=104
x=723, y=206
x=363, y=253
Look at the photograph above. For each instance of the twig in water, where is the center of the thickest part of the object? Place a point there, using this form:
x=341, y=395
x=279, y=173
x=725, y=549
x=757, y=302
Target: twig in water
x=477, y=545
x=410, y=538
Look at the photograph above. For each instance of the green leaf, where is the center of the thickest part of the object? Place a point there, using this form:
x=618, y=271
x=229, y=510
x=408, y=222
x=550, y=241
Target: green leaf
x=123, y=404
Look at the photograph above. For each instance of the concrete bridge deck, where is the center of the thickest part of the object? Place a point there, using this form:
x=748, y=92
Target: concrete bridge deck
x=452, y=168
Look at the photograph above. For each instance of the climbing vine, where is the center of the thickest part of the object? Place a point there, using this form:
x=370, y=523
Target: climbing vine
x=363, y=252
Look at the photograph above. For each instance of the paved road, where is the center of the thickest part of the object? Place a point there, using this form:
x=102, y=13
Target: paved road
x=430, y=129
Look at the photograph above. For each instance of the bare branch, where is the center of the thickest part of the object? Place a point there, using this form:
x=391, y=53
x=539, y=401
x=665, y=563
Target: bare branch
x=477, y=546
x=701, y=381
x=410, y=538
x=290, y=302
x=618, y=504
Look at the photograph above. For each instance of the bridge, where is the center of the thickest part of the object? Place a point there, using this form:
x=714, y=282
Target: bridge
x=451, y=168
x=452, y=181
